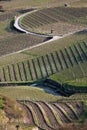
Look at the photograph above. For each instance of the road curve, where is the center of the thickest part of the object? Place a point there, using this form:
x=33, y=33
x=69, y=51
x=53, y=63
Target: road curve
x=17, y=26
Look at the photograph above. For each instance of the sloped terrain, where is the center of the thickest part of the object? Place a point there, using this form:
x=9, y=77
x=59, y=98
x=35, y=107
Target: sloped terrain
x=19, y=42
x=67, y=60
x=10, y=111
x=52, y=116
x=47, y=80
x=40, y=20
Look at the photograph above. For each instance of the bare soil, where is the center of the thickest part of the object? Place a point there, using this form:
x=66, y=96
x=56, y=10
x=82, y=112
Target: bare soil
x=60, y=28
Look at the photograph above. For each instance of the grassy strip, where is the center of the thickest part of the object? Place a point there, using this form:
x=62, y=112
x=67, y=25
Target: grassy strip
x=64, y=112
x=73, y=110
x=34, y=115
x=58, y=118
x=28, y=92
x=83, y=118
x=15, y=83
x=44, y=114
x=77, y=83
x=2, y=102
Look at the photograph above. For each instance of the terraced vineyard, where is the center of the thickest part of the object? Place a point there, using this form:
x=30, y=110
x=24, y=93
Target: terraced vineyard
x=72, y=59
x=48, y=79
x=52, y=116
x=48, y=16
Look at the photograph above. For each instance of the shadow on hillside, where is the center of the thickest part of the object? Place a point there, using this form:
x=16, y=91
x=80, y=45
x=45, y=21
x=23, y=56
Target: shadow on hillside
x=55, y=88
x=22, y=11
x=81, y=32
x=10, y=28
x=52, y=87
x=46, y=89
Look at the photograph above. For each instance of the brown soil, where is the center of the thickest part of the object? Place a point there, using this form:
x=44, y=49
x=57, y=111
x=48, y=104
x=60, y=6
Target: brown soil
x=50, y=115
x=13, y=109
x=29, y=119
x=74, y=127
x=40, y=117
x=69, y=111
x=65, y=120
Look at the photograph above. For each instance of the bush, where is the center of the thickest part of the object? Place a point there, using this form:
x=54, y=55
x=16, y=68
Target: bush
x=1, y=103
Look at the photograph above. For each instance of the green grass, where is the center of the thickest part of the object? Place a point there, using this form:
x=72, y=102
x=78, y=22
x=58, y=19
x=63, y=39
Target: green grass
x=1, y=102
x=84, y=116
x=28, y=92
x=4, y=28
x=74, y=98
x=78, y=82
x=72, y=75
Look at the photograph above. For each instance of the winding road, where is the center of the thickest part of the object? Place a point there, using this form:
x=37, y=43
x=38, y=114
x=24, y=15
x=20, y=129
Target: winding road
x=18, y=27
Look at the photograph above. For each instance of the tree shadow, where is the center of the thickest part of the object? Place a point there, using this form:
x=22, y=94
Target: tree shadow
x=10, y=28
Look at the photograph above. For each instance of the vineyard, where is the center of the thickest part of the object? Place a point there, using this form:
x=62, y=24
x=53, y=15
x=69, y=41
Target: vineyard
x=43, y=72
x=72, y=59
x=52, y=116
x=47, y=16
x=19, y=42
